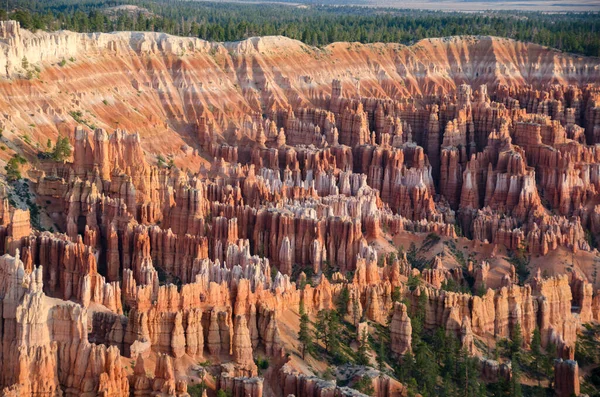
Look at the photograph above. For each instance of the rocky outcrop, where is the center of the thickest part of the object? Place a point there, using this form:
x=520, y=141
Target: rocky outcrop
x=239, y=386
x=46, y=347
x=492, y=371
x=162, y=383
x=566, y=378
x=545, y=304
x=242, y=347
x=295, y=383
x=400, y=330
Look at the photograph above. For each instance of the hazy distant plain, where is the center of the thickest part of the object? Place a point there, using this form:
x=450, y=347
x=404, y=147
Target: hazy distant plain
x=454, y=5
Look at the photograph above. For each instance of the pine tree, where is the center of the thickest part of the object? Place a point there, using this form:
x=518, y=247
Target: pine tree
x=327, y=330
x=13, y=168
x=515, y=350
x=450, y=354
x=515, y=380
x=355, y=310
x=417, y=321
x=221, y=393
x=62, y=149
x=501, y=388
x=448, y=388
x=536, y=342
x=404, y=370
x=517, y=340
x=321, y=327
x=396, y=295
x=333, y=339
x=362, y=358
x=467, y=374
x=304, y=332
x=365, y=385
x=381, y=354
x=548, y=361
x=342, y=301
x=426, y=369
x=439, y=344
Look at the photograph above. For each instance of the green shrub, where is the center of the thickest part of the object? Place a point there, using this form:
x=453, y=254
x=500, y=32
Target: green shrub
x=262, y=363
x=223, y=393
x=365, y=386
x=160, y=160
x=13, y=168
x=62, y=149
x=196, y=390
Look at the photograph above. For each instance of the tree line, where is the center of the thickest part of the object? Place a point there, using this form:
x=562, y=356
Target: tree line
x=314, y=25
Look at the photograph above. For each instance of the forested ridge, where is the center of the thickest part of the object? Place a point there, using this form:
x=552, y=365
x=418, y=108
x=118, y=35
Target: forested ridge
x=314, y=25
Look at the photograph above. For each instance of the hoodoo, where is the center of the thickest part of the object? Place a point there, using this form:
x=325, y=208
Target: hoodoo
x=264, y=217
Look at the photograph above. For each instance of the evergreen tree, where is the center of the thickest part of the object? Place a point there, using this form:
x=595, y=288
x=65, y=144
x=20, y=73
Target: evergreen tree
x=13, y=168
x=355, y=310
x=426, y=370
x=536, y=352
x=450, y=358
x=404, y=370
x=501, y=388
x=342, y=301
x=365, y=386
x=327, y=330
x=321, y=327
x=548, y=362
x=536, y=342
x=418, y=319
x=439, y=344
x=515, y=380
x=448, y=387
x=362, y=358
x=517, y=340
x=381, y=354
x=62, y=149
x=515, y=353
x=467, y=374
x=333, y=336
x=396, y=295
x=304, y=333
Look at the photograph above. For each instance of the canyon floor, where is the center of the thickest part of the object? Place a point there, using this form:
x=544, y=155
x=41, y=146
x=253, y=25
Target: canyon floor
x=216, y=196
